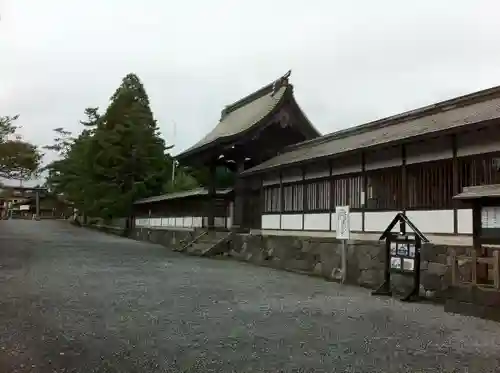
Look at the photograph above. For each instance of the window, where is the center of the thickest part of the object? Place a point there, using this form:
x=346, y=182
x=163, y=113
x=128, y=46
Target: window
x=272, y=199
x=430, y=185
x=384, y=189
x=293, y=197
x=479, y=170
x=347, y=191
x=318, y=195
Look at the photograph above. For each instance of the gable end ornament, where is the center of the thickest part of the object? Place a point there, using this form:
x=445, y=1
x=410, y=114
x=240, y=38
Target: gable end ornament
x=281, y=82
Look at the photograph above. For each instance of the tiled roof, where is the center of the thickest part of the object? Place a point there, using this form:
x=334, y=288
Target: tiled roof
x=474, y=108
x=244, y=114
x=185, y=194
x=479, y=191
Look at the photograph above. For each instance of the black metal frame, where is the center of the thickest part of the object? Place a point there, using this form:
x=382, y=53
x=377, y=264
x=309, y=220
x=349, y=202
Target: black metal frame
x=416, y=239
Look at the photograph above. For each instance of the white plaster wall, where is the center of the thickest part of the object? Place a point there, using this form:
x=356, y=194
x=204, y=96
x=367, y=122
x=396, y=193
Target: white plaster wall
x=314, y=222
x=187, y=221
x=432, y=221
x=377, y=221
x=480, y=142
x=141, y=222
x=291, y=221
x=464, y=217
x=270, y=221
x=197, y=221
x=355, y=221
x=429, y=150
x=384, y=158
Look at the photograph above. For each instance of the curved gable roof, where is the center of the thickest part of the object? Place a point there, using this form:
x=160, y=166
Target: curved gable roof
x=245, y=114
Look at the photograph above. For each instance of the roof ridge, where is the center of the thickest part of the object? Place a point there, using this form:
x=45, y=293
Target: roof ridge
x=273, y=86
x=398, y=118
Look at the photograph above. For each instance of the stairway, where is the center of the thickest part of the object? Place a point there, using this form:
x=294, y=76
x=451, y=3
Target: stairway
x=208, y=243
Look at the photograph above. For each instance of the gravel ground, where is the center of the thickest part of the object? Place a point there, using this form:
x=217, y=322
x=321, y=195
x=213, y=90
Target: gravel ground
x=73, y=300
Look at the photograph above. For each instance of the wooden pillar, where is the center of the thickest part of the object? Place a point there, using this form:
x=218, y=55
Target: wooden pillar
x=404, y=181
x=280, y=207
x=211, y=197
x=364, y=195
x=239, y=198
x=477, y=250
x=303, y=182
x=455, y=186
x=331, y=205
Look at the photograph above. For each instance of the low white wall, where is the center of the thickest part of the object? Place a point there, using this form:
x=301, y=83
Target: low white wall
x=179, y=222
x=429, y=222
x=464, y=218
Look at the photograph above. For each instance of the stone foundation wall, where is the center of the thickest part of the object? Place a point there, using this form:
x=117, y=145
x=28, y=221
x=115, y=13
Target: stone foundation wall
x=321, y=256
x=365, y=261
x=166, y=237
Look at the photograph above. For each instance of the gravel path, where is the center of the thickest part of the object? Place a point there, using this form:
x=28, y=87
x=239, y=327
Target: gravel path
x=73, y=300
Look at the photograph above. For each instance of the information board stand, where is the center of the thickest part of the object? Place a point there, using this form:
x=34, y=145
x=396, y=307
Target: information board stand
x=402, y=255
x=343, y=230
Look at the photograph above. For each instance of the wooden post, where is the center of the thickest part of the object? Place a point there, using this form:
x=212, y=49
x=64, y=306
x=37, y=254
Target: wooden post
x=474, y=268
x=454, y=268
x=496, y=269
x=404, y=181
x=211, y=197
x=455, y=182
x=239, y=198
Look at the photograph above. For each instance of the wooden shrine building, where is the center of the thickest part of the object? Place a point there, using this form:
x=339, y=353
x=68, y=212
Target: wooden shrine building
x=289, y=178
x=250, y=131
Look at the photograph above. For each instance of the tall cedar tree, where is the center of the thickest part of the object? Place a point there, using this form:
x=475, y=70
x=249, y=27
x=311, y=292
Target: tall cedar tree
x=129, y=154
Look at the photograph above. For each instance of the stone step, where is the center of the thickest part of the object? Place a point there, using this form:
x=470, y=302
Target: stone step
x=199, y=248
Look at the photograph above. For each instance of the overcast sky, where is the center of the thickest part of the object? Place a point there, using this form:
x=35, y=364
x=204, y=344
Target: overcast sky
x=352, y=61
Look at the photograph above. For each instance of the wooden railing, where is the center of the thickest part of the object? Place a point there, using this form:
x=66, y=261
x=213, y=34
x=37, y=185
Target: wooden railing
x=477, y=278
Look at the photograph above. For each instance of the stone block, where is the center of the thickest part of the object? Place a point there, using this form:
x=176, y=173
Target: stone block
x=370, y=277
x=431, y=281
x=437, y=268
x=318, y=269
x=336, y=274
x=299, y=265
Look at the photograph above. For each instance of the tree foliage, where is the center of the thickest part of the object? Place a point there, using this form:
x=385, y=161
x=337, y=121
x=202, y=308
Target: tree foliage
x=119, y=156
x=18, y=159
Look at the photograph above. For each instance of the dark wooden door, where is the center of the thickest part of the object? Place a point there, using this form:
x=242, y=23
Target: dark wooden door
x=252, y=210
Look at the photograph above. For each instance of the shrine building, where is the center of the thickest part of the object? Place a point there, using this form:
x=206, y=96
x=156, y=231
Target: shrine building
x=290, y=178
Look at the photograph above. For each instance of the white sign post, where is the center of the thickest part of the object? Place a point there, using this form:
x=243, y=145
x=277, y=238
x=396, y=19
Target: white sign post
x=343, y=233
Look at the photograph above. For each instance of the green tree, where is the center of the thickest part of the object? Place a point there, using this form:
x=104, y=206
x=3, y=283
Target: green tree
x=129, y=155
x=18, y=159
x=70, y=174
